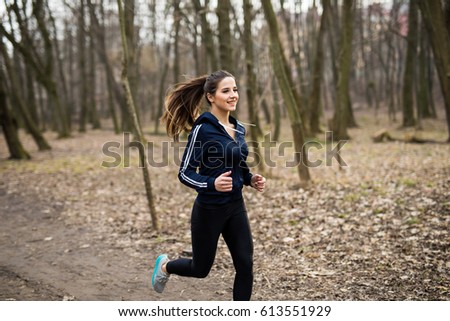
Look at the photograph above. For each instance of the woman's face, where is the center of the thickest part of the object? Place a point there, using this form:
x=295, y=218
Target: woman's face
x=226, y=96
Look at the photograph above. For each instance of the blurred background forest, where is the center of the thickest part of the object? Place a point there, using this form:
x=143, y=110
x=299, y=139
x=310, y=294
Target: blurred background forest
x=62, y=61
x=77, y=74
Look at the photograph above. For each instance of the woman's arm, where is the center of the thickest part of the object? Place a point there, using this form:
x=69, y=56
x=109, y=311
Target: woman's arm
x=191, y=161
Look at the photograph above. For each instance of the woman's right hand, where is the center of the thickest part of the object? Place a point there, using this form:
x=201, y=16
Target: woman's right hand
x=224, y=182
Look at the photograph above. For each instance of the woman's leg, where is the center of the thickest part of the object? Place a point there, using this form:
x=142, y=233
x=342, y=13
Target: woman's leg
x=237, y=235
x=206, y=226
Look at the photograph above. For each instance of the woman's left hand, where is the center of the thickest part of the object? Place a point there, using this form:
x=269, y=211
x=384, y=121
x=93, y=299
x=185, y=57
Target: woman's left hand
x=258, y=182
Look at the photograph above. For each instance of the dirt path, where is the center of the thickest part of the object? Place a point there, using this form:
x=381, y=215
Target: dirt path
x=47, y=259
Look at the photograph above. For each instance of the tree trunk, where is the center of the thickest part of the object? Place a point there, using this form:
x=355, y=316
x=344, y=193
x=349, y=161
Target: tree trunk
x=351, y=120
x=410, y=63
x=42, y=112
x=31, y=96
x=276, y=112
x=162, y=84
x=47, y=75
x=207, y=36
x=62, y=77
x=279, y=66
x=430, y=76
x=30, y=125
x=113, y=87
x=225, y=42
x=363, y=84
x=446, y=10
x=43, y=67
x=176, y=47
x=199, y=58
x=132, y=44
x=8, y=126
x=136, y=125
x=314, y=99
x=434, y=20
x=332, y=36
x=92, y=76
x=69, y=53
x=423, y=100
x=341, y=116
x=301, y=88
x=251, y=83
x=82, y=78
x=389, y=68
x=264, y=105
x=19, y=75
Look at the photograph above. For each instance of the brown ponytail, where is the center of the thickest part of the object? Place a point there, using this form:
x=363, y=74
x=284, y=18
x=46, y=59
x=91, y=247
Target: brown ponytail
x=183, y=103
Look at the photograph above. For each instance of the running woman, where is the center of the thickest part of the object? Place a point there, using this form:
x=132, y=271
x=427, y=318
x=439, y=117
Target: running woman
x=214, y=164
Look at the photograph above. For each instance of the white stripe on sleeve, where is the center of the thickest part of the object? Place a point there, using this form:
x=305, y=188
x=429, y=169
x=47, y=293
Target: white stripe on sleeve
x=188, y=158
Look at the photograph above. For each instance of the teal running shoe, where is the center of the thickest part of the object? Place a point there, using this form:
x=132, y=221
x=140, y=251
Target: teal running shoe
x=159, y=277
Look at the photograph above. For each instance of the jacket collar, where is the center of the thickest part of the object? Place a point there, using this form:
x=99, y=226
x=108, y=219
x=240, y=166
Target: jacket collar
x=208, y=117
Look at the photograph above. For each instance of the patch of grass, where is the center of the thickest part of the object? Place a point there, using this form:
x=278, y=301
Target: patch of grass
x=365, y=186
x=413, y=221
x=378, y=210
x=408, y=182
x=430, y=184
x=342, y=215
x=379, y=190
x=121, y=162
x=368, y=188
x=76, y=165
x=352, y=197
x=10, y=164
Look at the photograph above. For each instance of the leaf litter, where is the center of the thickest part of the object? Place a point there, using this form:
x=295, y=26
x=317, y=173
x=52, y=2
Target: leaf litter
x=376, y=230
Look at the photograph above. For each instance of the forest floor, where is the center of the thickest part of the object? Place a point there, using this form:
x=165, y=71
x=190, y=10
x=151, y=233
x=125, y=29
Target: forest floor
x=73, y=227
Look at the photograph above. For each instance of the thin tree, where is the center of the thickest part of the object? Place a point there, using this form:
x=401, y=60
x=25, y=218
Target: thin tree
x=31, y=95
x=410, y=66
x=136, y=124
x=42, y=66
x=62, y=82
x=30, y=125
x=446, y=9
x=276, y=110
x=224, y=34
x=299, y=88
x=69, y=53
x=82, y=74
x=207, y=36
x=433, y=16
x=279, y=66
x=176, y=40
x=341, y=116
x=294, y=54
x=424, y=99
x=251, y=81
x=132, y=45
x=162, y=83
x=314, y=99
x=15, y=147
x=93, y=115
x=114, y=90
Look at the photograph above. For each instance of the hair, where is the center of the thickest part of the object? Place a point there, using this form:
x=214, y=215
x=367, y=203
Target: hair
x=184, y=101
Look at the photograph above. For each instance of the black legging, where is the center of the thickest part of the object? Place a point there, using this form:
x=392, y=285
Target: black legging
x=207, y=223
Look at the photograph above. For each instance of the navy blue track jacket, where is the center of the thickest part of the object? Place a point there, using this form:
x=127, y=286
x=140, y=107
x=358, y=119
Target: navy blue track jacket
x=210, y=152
